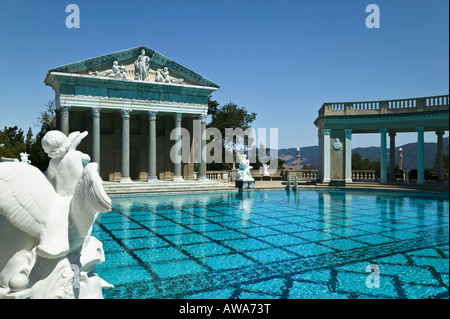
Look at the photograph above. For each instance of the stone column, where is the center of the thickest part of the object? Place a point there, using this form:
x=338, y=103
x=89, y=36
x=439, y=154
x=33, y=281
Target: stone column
x=65, y=119
x=96, y=135
x=420, y=156
x=348, y=155
x=383, y=170
x=392, y=156
x=440, y=156
x=152, y=146
x=320, y=174
x=125, y=168
x=176, y=155
x=202, y=166
x=326, y=155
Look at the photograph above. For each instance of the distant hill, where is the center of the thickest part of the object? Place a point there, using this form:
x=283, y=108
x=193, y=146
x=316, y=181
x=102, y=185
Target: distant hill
x=310, y=155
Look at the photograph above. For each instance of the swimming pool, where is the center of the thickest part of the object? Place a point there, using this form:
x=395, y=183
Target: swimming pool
x=276, y=244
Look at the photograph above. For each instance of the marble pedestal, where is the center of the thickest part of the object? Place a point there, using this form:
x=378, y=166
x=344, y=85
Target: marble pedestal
x=245, y=184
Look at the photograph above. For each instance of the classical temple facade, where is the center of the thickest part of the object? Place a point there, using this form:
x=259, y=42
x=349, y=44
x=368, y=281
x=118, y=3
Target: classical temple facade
x=131, y=102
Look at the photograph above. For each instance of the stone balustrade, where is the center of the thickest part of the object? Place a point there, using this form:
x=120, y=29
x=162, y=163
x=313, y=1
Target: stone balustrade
x=437, y=103
x=364, y=175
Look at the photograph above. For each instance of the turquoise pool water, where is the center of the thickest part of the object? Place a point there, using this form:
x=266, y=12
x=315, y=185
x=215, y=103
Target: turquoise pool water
x=276, y=244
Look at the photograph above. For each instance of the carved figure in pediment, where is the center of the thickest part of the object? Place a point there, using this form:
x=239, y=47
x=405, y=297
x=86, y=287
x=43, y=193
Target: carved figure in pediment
x=117, y=71
x=162, y=75
x=142, y=64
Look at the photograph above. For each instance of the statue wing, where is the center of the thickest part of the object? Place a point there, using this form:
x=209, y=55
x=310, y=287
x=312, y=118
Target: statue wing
x=74, y=139
x=89, y=198
x=25, y=197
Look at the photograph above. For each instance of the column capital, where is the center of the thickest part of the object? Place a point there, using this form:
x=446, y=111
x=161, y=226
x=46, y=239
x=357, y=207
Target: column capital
x=125, y=113
x=64, y=110
x=326, y=131
x=383, y=130
x=152, y=115
x=95, y=112
x=392, y=133
x=440, y=132
x=178, y=116
x=420, y=129
x=348, y=133
x=202, y=118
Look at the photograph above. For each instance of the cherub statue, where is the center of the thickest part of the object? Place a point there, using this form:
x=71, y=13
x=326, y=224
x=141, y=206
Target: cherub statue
x=46, y=222
x=66, y=164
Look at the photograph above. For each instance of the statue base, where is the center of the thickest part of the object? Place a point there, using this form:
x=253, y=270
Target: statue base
x=244, y=184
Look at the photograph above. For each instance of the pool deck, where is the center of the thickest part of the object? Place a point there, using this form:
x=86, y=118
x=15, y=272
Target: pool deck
x=195, y=186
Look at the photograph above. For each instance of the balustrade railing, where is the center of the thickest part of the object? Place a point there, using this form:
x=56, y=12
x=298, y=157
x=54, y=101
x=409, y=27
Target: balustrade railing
x=430, y=103
x=367, y=175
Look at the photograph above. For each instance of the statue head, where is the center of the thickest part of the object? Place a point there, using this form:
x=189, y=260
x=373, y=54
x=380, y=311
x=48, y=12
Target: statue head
x=53, y=144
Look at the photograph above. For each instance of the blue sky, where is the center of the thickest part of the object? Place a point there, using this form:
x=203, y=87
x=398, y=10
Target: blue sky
x=281, y=59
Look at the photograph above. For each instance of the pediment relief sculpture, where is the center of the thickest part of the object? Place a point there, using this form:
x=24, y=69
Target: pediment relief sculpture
x=116, y=71
x=142, y=64
x=139, y=70
x=162, y=75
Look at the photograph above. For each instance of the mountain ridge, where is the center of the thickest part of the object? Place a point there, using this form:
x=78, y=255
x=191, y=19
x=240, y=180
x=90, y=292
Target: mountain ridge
x=309, y=155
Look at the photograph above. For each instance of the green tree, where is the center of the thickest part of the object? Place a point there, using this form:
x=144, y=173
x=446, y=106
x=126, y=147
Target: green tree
x=12, y=142
x=47, y=120
x=360, y=163
x=231, y=116
x=445, y=160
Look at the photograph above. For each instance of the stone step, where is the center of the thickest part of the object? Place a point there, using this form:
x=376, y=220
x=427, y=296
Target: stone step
x=159, y=186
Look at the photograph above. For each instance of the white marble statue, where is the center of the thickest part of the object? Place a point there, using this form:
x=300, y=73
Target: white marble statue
x=116, y=71
x=142, y=65
x=66, y=162
x=24, y=158
x=162, y=75
x=46, y=247
x=243, y=173
x=265, y=170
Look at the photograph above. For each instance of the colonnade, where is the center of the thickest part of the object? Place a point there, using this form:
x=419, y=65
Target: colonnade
x=125, y=145
x=325, y=148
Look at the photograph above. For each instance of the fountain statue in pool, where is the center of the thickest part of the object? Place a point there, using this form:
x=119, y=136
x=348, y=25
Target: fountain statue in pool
x=46, y=247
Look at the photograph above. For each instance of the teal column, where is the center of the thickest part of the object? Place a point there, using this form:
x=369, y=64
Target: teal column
x=320, y=174
x=177, y=156
x=202, y=166
x=326, y=155
x=392, y=156
x=152, y=146
x=348, y=155
x=440, y=156
x=64, y=111
x=125, y=168
x=96, y=135
x=420, y=156
x=383, y=171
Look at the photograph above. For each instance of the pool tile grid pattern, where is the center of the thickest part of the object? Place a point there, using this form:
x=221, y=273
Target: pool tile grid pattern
x=275, y=248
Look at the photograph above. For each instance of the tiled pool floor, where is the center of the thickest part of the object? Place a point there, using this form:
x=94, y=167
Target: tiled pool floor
x=273, y=244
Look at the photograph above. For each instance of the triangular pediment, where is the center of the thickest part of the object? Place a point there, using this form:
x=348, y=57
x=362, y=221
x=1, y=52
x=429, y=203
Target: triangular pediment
x=136, y=64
